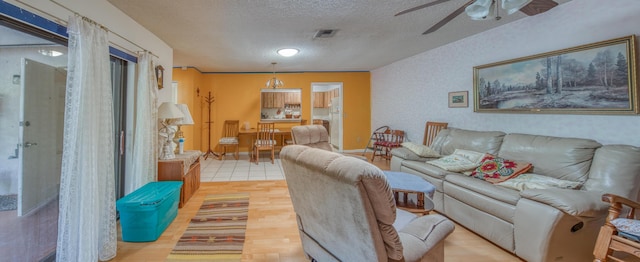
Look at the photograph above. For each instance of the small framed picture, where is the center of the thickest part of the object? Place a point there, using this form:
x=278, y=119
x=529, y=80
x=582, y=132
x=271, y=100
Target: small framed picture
x=459, y=99
x=160, y=75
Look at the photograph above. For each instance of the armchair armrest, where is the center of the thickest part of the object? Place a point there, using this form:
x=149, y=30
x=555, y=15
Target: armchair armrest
x=407, y=154
x=616, y=203
x=573, y=202
x=422, y=234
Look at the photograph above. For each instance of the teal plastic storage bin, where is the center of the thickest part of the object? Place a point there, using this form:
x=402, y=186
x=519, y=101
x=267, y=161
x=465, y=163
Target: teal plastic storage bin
x=148, y=211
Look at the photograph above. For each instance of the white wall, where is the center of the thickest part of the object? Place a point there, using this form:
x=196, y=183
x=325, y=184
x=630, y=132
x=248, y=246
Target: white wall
x=419, y=85
x=101, y=11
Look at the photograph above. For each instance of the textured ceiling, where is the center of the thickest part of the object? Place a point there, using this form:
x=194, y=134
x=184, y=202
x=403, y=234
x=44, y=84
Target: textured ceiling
x=243, y=35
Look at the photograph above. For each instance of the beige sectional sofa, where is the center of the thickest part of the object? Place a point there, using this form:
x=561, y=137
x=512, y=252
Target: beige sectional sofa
x=553, y=224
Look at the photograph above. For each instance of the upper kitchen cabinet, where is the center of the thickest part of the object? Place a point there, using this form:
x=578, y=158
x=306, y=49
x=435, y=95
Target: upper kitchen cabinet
x=282, y=105
x=323, y=99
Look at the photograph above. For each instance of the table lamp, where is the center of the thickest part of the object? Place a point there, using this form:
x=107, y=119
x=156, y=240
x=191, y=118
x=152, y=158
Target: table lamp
x=186, y=120
x=168, y=113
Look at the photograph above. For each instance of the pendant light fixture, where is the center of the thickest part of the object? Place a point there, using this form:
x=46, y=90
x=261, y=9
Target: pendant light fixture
x=274, y=82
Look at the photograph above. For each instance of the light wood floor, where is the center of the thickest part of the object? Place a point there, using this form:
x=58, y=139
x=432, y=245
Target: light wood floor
x=272, y=233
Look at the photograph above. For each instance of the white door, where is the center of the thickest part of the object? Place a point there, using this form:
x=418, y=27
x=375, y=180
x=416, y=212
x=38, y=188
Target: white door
x=41, y=127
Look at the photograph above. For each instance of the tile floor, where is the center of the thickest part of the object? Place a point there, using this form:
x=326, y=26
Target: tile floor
x=229, y=169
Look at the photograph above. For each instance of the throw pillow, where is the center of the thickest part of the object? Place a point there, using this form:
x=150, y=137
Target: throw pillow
x=535, y=181
x=454, y=163
x=495, y=169
x=474, y=156
x=421, y=150
x=630, y=227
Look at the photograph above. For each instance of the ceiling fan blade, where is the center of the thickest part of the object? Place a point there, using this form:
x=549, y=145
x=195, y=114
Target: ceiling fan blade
x=421, y=6
x=538, y=7
x=448, y=18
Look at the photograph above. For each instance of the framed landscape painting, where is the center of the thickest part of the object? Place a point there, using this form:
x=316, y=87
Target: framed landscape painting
x=598, y=78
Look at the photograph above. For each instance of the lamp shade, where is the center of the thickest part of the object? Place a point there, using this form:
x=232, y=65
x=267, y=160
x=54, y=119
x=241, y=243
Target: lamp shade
x=168, y=110
x=187, y=119
x=480, y=9
x=513, y=6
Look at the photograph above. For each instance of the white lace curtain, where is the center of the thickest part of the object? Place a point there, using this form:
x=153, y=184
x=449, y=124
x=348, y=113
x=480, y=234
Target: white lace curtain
x=87, y=219
x=145, y=135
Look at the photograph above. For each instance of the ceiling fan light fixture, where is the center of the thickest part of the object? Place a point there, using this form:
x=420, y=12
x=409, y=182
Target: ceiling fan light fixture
x=513, y=6
x=288, y=52
x=480, y=9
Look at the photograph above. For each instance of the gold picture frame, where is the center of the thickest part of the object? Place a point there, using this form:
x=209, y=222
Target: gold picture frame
x=597, y=78
x=160, y=76
x=459, y=99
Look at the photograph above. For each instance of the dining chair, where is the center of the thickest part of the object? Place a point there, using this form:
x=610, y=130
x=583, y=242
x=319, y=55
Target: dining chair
x=265, y=140
x=431, y=130
x=229, y=138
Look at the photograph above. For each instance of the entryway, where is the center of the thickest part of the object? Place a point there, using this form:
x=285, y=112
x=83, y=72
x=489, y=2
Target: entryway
x=326, y=109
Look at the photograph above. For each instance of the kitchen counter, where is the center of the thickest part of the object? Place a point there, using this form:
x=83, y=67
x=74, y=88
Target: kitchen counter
x=288, y=120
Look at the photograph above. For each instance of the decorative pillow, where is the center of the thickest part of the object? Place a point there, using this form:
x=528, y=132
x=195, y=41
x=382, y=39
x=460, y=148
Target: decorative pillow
x=535, y=181
x=421, y=150
x=474, y=156
x=454, y=163
x=630, y=227
x=495, y=169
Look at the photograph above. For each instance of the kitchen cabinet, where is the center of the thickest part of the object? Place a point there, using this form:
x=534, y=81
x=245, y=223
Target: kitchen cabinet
x=318, y=100
x=292, y=98
x=273, y=99
x=323, y=99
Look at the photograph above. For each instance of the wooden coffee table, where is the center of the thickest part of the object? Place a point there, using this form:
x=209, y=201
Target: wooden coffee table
x=404, y=185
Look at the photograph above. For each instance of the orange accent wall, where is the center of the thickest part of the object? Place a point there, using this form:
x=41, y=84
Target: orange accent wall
x=189, y=81
x=237, y=96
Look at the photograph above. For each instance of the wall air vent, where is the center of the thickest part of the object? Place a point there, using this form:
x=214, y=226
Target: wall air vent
x=325, y=33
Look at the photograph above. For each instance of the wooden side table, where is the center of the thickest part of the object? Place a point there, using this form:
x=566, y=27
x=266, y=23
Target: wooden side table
x=186, y=168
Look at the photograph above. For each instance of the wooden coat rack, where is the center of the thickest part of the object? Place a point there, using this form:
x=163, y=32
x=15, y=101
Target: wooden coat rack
x=209, y=99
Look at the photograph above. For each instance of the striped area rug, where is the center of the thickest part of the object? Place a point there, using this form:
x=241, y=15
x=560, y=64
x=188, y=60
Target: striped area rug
x=216, y=232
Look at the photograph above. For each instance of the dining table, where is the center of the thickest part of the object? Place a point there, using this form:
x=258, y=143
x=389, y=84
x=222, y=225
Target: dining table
x=280, y=135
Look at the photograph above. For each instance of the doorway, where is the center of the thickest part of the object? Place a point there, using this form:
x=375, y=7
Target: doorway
x=326, y=110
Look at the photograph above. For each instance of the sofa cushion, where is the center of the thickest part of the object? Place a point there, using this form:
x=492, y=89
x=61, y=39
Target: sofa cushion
x=479, y=141
x=420, y=150
x=439, y=140
x=535, y=181
x=496, y=201
x=573, y=202
x=496, y=169
x=558, y=157
x=484, y=188
x=615, y=170
x=406, y=154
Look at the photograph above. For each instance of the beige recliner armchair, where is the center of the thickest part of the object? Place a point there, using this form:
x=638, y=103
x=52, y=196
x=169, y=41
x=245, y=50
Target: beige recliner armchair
x=346, y=211
x=314, y=136
x=311, y=135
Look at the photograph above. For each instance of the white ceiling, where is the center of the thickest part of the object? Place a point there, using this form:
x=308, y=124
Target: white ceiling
x=243, y=35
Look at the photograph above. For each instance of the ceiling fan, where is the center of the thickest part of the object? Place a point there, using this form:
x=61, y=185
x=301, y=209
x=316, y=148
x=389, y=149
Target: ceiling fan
x=486, y=9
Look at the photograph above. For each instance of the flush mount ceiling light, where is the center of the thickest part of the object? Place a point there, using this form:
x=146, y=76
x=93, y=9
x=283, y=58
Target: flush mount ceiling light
x=51, y=53
x=288, y=52
x=274, y=82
